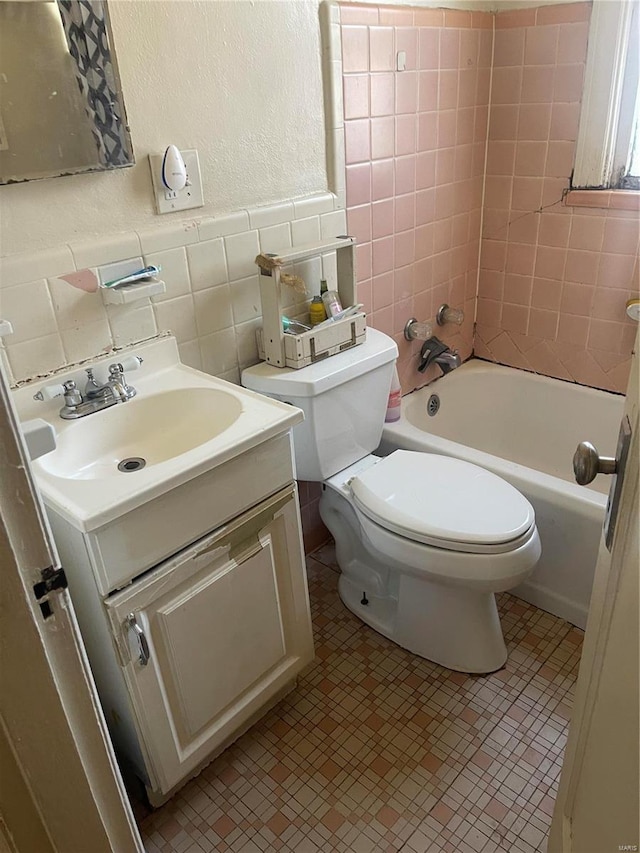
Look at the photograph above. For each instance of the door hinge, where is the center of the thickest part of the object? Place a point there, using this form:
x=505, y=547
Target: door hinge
x=52, y=579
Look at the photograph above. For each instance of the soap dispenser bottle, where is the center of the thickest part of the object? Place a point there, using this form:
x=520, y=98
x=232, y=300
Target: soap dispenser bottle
x=394, y=404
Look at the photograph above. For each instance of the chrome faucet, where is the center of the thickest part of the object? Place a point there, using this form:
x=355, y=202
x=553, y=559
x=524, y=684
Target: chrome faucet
x=116, y=386
x=95, y=397
x=434, y=351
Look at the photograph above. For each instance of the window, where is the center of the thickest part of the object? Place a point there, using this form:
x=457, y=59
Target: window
x=631, y=178
x=608, y=149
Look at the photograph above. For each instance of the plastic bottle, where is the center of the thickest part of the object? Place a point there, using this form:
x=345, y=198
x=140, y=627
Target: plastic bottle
x=332, y=302
x=317, y=314
x=394, y=403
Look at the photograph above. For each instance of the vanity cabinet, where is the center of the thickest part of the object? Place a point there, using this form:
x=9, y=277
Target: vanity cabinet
x=188, y=652
x=209, y=636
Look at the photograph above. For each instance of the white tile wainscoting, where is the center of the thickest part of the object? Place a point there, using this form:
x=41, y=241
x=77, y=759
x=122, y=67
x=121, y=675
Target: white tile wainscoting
x=211, y=305
x=212, y=301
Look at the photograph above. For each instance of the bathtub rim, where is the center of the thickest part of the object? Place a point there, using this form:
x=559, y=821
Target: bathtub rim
x=448, y=447
x=482, y=365
x=552, y=491
x=496, y=464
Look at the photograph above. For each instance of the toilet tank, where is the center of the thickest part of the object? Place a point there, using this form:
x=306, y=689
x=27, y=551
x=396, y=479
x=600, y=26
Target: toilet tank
x=344, y=400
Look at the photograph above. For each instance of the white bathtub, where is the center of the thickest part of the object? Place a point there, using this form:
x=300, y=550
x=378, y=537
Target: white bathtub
x=525, y=428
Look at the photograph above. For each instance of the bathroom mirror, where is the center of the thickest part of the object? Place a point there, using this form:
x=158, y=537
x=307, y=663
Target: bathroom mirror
x=61, y=108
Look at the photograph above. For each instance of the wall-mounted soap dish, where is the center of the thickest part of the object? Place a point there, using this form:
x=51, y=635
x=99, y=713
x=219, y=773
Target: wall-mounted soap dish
x=126, y=293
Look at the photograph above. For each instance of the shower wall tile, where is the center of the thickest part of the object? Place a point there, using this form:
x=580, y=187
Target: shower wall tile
x=415, y=196
x=416, y=164
x=554, y=277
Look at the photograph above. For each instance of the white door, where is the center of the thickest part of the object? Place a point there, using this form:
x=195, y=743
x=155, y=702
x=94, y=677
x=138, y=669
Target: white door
x=597, y=808
x=211, y=635
x=61, y=764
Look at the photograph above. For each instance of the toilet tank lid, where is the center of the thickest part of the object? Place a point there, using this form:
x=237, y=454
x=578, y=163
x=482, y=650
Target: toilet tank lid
x=377, y=350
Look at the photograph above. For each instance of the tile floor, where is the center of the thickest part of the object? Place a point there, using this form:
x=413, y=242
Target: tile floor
x=379, y=750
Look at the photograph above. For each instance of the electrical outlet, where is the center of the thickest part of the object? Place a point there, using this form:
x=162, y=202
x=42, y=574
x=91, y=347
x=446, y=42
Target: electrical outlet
x=170, y=201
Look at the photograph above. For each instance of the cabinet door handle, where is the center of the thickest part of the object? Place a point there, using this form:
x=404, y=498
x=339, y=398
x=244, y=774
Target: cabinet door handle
x=132, y=624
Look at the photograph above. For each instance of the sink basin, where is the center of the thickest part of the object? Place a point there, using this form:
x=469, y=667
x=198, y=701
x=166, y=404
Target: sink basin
x=153, y=429
x=182, y=423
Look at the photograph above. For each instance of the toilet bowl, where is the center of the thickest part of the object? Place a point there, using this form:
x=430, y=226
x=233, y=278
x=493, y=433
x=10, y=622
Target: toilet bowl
x=425, y=575
x=423, y=541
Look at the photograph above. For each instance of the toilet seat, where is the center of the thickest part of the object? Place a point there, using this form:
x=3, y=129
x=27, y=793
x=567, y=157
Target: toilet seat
x=443, y=502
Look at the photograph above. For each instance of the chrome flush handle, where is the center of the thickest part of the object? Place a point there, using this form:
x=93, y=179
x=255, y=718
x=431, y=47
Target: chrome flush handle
x=587, y=463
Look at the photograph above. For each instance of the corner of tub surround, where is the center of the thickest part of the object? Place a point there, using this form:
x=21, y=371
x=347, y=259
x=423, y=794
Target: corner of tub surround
x=557, y=359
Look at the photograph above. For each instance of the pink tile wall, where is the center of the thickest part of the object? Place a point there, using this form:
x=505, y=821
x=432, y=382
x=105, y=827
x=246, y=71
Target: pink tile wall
x=415, y=151
x=554, y=278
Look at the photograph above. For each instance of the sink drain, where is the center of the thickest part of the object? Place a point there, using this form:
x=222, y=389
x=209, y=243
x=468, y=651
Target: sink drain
x=433, y=404
x=132, y=463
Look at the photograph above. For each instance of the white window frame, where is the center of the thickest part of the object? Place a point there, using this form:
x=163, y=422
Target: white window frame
x=609, y=100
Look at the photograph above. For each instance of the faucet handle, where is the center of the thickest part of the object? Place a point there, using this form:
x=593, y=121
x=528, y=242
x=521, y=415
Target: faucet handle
x=119, y=380
x=72, y=395
x=416, y=331
x=446, y=314
x=131, y=362
x=48, y=392
x=68, y=390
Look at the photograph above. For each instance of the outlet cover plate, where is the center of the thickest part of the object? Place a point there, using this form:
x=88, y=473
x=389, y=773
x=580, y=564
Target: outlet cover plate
x=168, y=201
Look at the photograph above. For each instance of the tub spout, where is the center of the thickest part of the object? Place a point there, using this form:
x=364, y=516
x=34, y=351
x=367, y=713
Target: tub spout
x=435, y=352
x=448, y=361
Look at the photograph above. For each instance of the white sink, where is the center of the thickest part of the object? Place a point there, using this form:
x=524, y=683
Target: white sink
x=181, y=423
x=154, y=429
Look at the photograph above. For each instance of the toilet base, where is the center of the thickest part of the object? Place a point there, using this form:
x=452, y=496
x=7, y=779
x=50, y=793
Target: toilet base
x=456, y=628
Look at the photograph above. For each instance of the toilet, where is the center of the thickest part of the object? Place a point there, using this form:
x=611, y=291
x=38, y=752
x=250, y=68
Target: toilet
x=423, y=541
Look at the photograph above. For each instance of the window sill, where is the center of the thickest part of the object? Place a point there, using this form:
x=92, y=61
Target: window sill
x=606, y=199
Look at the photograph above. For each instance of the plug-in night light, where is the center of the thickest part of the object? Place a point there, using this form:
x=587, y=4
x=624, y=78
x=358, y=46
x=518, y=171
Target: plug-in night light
x=174, y=171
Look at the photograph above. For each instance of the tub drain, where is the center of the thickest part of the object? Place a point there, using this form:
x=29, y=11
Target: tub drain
x=433, y=404
x=132, y=463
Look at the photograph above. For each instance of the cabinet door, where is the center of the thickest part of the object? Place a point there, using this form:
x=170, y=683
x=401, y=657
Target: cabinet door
x=208, y=637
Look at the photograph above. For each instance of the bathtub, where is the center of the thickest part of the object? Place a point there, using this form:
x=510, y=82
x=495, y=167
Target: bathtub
x=525, y=428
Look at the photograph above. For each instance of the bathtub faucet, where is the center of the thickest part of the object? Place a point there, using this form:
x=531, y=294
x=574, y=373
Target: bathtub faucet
x=435, y=352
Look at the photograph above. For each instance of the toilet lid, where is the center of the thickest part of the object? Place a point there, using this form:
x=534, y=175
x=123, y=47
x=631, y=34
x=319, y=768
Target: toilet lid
x=440, y=500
